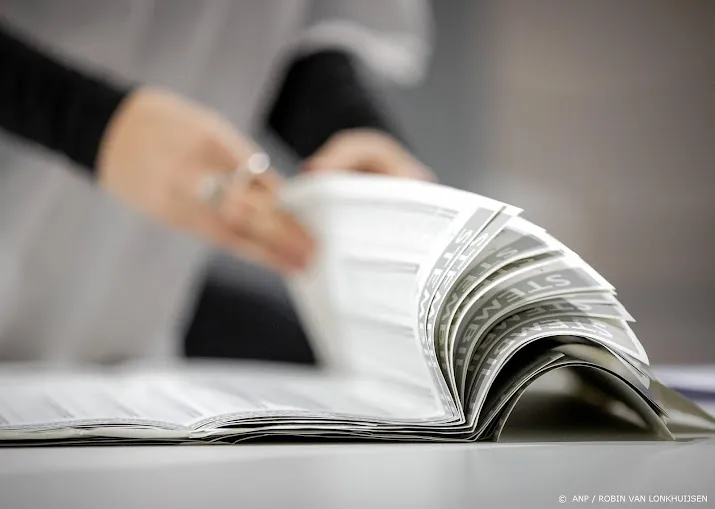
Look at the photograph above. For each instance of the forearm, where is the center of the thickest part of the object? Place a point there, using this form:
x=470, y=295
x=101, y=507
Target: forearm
x=322, y=94
x=44, y=101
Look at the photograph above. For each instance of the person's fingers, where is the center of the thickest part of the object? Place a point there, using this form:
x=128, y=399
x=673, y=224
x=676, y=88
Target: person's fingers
x=234, y=237
x=242, y=216
x=370, y=163
x=267, y=182
x=242, y=151
x=255, y=215
x=220, y=233
x=351, y=152
x=279, y=232
x=369, y=153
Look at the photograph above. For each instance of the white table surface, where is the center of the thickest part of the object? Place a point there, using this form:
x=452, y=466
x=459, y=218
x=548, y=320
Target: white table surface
x=359, y=475
x=354, y=475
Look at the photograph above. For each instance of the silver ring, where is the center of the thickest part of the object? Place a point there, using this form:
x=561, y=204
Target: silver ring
x=257, y=164
x=212, y=187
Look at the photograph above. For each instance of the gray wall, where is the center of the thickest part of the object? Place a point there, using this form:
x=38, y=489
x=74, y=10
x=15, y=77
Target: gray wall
x=433, y=115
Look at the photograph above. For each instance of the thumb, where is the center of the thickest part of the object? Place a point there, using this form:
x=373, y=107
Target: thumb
x=322, y=164
x=349, y=157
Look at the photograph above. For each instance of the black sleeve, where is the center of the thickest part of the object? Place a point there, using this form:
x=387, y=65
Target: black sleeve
x=44, y=101
x=321, y=94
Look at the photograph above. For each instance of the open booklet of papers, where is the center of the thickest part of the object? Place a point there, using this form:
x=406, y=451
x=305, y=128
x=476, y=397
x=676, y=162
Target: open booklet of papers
x=432, y=310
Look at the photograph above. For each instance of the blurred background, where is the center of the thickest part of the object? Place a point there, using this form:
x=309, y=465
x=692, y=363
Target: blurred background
x=598, y=119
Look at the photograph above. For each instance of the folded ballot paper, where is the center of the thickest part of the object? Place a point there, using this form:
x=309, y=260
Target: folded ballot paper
x=436, y=315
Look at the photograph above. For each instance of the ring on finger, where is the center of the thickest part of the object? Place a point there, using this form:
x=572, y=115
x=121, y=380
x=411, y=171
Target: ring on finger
x=256, y=165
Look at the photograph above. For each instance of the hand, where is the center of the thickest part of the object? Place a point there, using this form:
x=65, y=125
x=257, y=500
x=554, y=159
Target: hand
x=157, y=151
x=367, y=151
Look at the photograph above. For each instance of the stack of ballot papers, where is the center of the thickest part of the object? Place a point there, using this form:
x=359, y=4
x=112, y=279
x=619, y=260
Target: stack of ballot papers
x=432, y=312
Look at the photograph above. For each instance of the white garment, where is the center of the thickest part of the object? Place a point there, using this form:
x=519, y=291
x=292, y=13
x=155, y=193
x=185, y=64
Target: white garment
x=81, y=277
